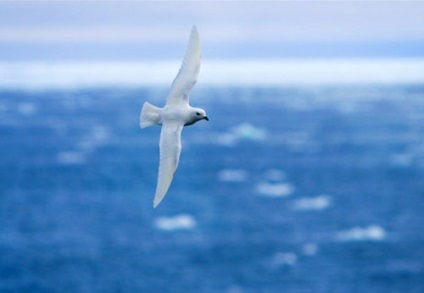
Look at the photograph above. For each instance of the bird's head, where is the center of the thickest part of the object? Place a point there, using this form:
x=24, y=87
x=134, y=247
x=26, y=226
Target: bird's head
x=196, y=115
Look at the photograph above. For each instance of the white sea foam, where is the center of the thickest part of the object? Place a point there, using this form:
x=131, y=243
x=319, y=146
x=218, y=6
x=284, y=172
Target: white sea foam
x=3, y=106
x=309, y=249
x=27, y=108
x=97, y=135
x=179, y=222
x=214, y=72
x=405, y=266
x=372, y=232
x=312, y=203
x=402, y=159
x=274, y=189
x=71, y=158
x=244, y=131
x=284, y=258
x=249, y=132
x=232, y=175
x=234, y=288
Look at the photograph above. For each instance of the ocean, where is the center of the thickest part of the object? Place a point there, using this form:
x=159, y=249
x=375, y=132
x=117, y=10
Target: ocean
x=289, y=188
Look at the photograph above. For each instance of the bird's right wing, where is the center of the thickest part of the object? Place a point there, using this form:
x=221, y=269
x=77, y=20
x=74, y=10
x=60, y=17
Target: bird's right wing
x=170, y=149
x=189, y=71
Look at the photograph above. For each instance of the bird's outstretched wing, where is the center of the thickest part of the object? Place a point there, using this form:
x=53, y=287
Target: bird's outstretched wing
x=170, y=149
x=189, y=71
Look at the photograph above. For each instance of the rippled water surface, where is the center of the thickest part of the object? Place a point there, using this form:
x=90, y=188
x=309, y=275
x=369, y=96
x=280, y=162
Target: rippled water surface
x=294, y=189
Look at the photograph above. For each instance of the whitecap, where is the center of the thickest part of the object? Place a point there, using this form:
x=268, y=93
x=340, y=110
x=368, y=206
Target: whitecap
x=3, y=107
x=404, y=266
x=284, y=258
x=309, y=249
x=97, y=136
x=232, y=175
x=402, y=159
x=249, y=132
x=26, y=108
x=179, y=222
x=372, y=232
x=100, y=133
x=70, y=158
x=298, y=141
x=234, y=289
x=244, y=131
x=274, y=189
x=312, y=203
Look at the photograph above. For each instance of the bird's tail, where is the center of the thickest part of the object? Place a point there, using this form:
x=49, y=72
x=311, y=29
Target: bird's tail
x=150, y=115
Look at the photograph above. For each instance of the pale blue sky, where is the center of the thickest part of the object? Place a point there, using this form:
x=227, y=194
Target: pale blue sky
x=119, y=30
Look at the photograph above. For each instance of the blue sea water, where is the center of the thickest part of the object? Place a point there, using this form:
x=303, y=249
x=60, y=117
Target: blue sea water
x=286, y=189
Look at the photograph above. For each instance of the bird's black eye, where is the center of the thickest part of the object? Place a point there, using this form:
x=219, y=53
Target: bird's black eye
x=197, y=113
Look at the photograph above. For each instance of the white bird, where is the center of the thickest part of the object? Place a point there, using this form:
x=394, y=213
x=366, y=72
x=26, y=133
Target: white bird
x=176, y=114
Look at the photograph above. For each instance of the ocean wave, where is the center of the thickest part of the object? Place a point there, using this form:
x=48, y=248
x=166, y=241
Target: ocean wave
x=232, y=175
x=372, y=232
x=274, y=189
x=244, y=131
x=309, y=249
x=27, y=109
x=70, y=158
x=179, y=222
x=97, y=136
x=284, y=258
x=234, y=288
x=312, y=203
x=3, y=106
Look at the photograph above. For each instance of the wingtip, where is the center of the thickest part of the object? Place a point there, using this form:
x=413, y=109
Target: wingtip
x=156, y=202
x=194, y=30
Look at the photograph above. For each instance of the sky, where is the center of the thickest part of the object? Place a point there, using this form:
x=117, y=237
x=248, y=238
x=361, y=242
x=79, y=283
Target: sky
x=140, y=30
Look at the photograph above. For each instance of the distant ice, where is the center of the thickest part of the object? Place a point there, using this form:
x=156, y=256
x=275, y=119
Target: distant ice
x=179, y=222
x=42, y=75
x=245, y=131
x=232, y=175
x=70, y=158
x=312, y=203
x=274, y=189
x=372, y=232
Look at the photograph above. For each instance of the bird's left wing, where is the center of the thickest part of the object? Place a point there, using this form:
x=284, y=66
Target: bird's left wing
x=170, y=149
x=189, y=71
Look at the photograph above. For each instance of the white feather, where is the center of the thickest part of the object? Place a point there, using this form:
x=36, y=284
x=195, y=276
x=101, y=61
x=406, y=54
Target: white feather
x=188, y=73
x=170, y=149
x=176, y=114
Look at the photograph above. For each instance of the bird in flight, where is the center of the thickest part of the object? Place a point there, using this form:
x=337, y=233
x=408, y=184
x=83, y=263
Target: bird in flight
x=176, y=114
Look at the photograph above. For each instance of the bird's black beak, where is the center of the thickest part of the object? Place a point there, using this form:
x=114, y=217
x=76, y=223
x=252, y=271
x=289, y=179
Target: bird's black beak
x=206, y=118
